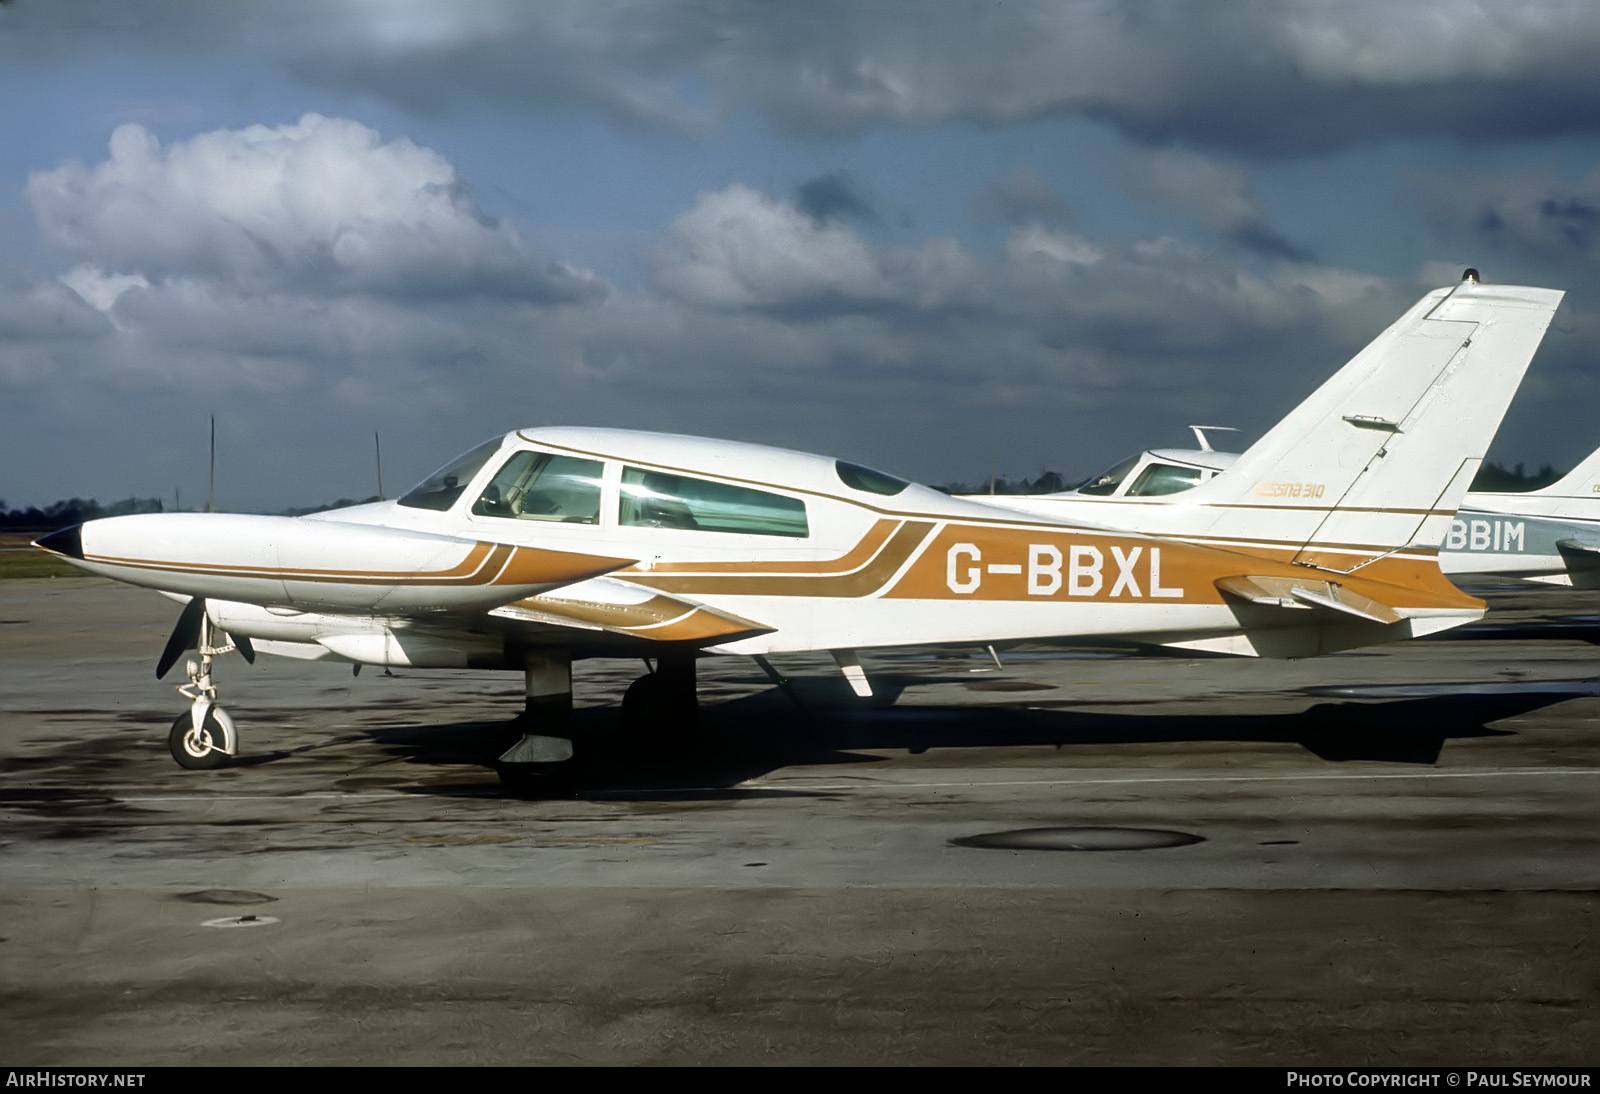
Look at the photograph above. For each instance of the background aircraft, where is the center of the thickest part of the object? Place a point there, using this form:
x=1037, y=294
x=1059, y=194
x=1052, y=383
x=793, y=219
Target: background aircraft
x=1550, y=535
x=547, y=545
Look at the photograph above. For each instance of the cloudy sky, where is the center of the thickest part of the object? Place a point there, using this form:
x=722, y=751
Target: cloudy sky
x=929, y=235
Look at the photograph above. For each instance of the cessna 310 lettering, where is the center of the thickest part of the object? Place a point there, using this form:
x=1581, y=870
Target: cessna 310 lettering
x=549, y=545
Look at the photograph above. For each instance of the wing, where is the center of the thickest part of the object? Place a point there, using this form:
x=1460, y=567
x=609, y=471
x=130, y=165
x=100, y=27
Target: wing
x=597, y=617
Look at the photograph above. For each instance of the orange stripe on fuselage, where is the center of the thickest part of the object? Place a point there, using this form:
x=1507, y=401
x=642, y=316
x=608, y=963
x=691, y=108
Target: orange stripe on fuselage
x=743, y=579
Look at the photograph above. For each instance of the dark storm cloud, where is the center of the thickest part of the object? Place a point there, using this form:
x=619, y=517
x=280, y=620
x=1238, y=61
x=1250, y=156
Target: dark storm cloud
x=836, y=195
x=1214, y=195
x=1258, y=78
x=1269, y=243
x=1539, y=215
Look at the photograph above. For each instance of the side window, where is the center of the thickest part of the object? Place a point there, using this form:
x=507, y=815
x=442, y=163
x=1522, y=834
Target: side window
x=1163, y=478
x=865, y=478
x=539, y=486
x=654, y=499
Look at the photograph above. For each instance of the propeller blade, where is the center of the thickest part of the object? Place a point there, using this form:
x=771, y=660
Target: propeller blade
x=185, y=636
x=246, y=650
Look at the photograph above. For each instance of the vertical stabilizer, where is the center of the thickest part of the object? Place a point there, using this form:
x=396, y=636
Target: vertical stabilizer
x=1381, y=455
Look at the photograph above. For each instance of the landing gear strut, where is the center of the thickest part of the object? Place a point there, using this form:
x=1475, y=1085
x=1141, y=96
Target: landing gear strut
x=542, y=759
x=204, y=737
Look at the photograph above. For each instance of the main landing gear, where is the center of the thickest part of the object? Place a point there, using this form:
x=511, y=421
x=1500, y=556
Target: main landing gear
x=661, y=703
x=203, y=737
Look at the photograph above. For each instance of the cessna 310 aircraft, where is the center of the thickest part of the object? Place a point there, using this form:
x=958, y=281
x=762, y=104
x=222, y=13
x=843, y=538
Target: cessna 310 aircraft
x=1550, y=536
x=548, y=545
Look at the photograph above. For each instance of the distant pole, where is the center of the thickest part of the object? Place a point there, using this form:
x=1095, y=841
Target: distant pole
x=211, y=501
x=377, y=448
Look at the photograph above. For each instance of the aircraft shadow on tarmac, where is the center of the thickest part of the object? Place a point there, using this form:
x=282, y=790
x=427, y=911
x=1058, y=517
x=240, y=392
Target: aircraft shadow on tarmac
x=820, y=723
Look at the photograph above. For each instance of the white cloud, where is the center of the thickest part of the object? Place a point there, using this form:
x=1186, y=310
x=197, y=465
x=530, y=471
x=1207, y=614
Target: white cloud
x=99, y=289
x=739, y=248
x=322, y=205
x=1032, y=243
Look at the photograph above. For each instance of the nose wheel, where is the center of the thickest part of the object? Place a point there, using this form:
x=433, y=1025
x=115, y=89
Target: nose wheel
x=200, y=747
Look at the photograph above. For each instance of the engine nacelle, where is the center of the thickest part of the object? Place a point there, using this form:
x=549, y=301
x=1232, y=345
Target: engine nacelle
x=317, y=564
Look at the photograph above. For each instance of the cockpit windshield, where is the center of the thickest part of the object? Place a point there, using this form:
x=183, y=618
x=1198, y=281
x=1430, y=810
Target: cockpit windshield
x=1107, y=481
x=440, y=490
x=1165, y=478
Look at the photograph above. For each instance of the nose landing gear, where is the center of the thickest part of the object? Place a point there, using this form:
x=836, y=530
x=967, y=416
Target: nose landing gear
x=203, y=737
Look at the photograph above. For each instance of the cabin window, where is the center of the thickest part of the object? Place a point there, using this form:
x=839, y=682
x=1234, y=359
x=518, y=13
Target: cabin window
x=865, y=478
x=1106, y=482
x=655, y=499
x=440, y=490
x=1164, y=478
x=540, y=486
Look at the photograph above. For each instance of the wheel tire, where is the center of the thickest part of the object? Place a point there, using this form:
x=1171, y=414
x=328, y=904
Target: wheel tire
x=196, y=755
x=644, y=697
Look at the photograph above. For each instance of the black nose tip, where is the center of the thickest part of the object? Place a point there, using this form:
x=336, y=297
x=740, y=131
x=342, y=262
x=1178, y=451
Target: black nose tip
x=68, y=542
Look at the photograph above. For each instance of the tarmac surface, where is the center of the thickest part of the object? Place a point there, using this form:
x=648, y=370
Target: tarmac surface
x=1384, y=857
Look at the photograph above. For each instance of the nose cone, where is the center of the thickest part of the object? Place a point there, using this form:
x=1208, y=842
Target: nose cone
x=68, y=542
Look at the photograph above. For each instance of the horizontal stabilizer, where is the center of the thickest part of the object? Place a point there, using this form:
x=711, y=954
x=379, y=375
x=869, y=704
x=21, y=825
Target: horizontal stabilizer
x=1582, y=557
x=1581, y=548
x=1304, y=593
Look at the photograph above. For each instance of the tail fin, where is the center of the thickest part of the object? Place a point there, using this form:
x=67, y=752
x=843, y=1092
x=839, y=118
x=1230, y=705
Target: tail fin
x=1582, y=481
x=1380, y=456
